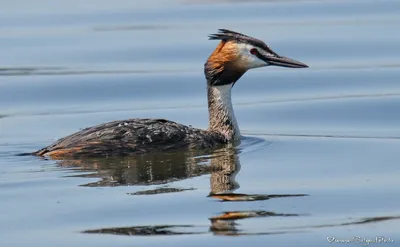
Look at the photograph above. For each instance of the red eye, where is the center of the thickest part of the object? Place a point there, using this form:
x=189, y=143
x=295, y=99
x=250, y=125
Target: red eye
x=253, y=51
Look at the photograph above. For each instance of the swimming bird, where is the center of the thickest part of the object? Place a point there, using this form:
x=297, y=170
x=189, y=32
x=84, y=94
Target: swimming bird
x=235, y=54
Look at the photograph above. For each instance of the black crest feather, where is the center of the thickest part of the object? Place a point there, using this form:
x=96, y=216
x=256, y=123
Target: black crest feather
x=228, y=35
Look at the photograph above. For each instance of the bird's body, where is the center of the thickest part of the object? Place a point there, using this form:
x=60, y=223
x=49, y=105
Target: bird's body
x=130, y=137
x=235, y=54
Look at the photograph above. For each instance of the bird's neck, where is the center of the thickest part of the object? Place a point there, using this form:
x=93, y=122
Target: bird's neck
x=221, y=116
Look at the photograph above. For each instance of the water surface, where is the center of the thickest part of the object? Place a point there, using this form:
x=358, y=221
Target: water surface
x=319, y=158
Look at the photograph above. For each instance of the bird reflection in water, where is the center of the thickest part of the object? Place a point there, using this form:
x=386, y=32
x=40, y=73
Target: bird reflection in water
x=224, y=168
x=160, y=169
x=146, y=169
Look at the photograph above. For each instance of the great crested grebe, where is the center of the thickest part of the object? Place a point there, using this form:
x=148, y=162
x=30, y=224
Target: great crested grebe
x=235, y=54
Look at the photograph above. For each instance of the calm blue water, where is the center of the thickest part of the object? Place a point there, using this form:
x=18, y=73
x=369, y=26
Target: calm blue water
x=328, y=136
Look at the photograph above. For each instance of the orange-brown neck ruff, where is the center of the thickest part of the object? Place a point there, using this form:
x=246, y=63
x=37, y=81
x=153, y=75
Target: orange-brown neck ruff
x=223, y=66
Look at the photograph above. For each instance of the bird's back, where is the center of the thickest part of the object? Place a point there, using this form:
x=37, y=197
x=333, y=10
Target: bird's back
x=130, y=137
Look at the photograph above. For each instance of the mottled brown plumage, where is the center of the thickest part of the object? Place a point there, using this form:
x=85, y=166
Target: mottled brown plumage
x=130, y=137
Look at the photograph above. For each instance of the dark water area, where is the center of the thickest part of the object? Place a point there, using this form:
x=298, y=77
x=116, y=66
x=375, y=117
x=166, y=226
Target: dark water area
x=319, y=159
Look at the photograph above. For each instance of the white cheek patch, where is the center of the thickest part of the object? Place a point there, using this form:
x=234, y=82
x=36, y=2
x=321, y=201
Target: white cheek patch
x=249, y=59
